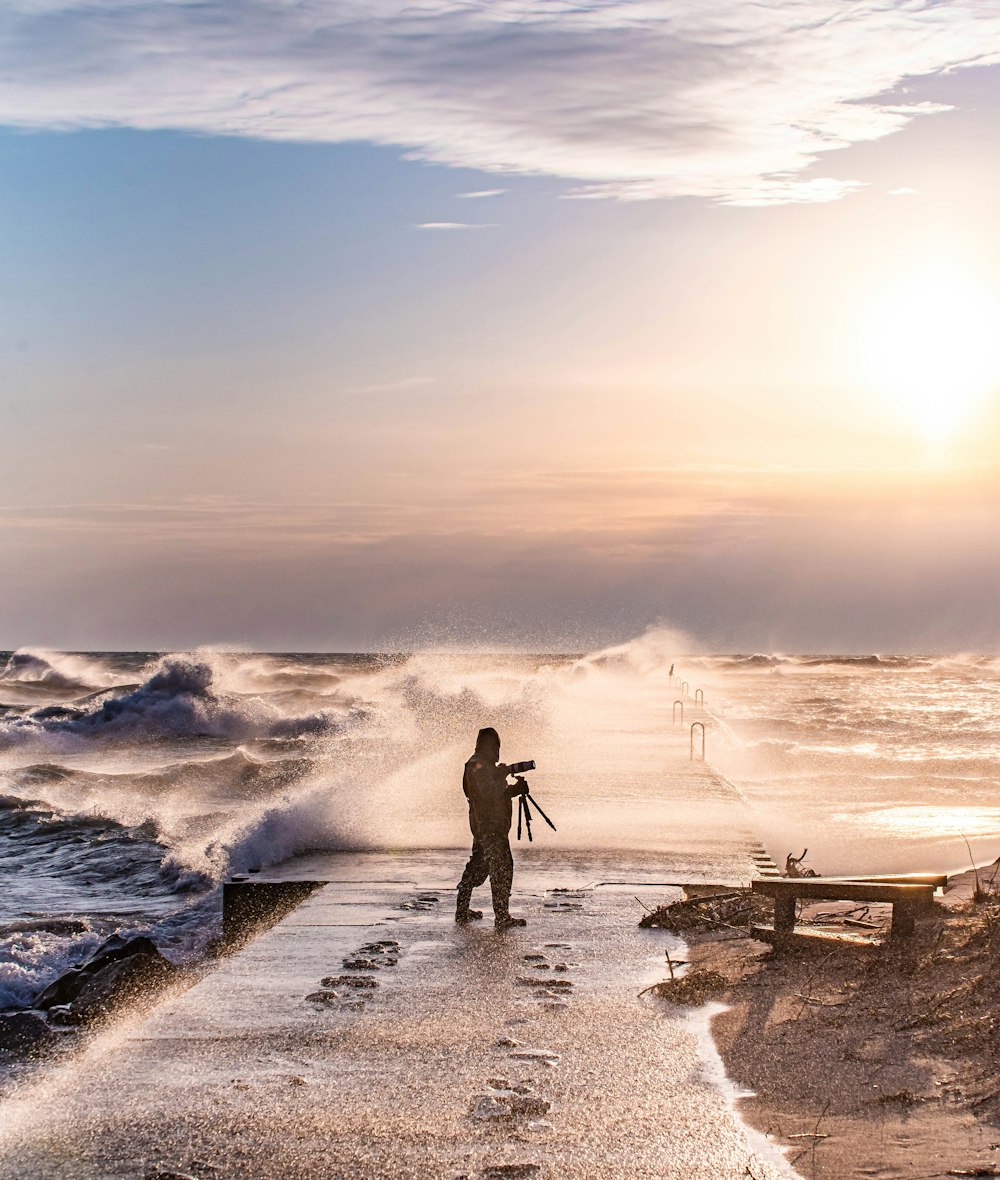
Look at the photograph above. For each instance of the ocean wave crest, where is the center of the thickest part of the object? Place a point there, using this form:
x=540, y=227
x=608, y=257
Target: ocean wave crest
x=177, y=701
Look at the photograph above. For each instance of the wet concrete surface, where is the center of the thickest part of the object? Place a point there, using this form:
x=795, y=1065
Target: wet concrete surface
x=366, y=1035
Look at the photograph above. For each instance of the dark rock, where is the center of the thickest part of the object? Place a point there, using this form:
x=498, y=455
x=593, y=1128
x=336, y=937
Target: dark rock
x=23, y=1032
x=119, y=947
x=121, y=981
x=69, y=986
x=62, y=1014
x=61, y=991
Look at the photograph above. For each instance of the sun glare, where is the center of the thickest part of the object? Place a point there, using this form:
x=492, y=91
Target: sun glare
x=932, y=346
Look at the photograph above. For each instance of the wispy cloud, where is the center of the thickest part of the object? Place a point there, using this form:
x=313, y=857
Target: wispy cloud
x=768, y=558
x=403, y=385
x=455, y=225
x=630, y=98
x=482, y=193
x=616, y=505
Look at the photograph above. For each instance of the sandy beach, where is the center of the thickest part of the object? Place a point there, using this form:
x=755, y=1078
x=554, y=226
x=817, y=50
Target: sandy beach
x=867, y=1063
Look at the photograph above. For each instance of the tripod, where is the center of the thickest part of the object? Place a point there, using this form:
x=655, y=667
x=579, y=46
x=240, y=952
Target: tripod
x=524, y=813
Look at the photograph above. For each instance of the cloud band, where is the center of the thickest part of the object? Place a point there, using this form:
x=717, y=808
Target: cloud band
x=630, y=98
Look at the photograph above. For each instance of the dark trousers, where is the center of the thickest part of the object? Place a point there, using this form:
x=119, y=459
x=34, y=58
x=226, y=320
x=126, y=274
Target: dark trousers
x=491, y=858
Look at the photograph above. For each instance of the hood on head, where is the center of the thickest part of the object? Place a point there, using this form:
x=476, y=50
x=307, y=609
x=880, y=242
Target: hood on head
x=488, y=743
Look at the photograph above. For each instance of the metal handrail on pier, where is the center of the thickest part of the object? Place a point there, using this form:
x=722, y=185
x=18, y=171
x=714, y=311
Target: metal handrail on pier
x=695, y=725
x=674, y=718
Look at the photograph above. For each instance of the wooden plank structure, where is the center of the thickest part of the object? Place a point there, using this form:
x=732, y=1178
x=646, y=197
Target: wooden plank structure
x=908, y=896
x=936, y=880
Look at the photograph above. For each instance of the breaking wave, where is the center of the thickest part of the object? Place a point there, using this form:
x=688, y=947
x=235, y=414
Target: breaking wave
x=177, y=701
x=132, y=784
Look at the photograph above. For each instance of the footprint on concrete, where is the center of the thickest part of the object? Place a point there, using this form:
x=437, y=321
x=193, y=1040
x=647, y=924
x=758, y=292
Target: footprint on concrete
x=323, y=997
x=535, y=1056
x=510, y=1171
x=369, y=961
x=360, y=982
x=502, y=1105
x=506, y=1084
x=379, y=954
x=423, y=901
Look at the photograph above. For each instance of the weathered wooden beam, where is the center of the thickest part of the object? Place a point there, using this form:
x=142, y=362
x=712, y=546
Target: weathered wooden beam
x=808, y=938
x=784, y=912
x=936, y=880
x=836, y=889
x=904, y=914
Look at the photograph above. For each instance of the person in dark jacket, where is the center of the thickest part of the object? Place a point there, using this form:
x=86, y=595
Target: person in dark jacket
x=490, y=799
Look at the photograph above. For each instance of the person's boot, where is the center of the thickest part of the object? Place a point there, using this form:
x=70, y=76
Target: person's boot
x=505, y=921
x=462, y=912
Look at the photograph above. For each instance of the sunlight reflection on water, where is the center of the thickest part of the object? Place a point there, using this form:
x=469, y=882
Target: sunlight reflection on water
x=929, y=822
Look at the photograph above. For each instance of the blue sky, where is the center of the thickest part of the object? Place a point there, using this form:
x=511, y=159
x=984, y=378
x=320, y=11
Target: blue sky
x=269, y=375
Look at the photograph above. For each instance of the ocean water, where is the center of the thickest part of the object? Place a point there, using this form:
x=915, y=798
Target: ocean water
x=132, y=784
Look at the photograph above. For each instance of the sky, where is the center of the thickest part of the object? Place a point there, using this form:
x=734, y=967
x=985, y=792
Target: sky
x=329, y=325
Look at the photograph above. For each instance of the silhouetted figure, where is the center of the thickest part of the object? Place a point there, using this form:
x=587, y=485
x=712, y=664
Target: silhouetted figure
x=490, y=799
x=671, y=672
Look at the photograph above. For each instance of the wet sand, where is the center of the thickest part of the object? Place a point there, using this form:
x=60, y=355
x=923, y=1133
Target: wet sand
x=877, y=1063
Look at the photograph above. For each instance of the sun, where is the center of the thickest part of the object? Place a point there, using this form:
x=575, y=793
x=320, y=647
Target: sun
x=931, y=346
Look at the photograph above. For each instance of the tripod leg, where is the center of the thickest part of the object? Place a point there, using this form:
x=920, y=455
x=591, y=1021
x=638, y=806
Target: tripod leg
x=520, y=812
x=544, y=817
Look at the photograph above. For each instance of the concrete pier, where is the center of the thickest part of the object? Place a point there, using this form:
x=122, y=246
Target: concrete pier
x=361, y=1033
x=455, y=1052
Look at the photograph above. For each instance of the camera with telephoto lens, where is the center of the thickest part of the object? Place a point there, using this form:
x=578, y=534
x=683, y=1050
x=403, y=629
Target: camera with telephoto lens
x=521, y=767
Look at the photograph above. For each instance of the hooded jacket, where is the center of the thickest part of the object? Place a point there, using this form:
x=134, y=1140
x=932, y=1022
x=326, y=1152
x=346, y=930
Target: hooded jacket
x=485, y=786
